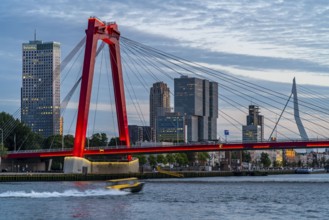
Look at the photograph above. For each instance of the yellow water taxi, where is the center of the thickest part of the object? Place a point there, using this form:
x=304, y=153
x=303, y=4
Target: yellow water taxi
x=127, y=184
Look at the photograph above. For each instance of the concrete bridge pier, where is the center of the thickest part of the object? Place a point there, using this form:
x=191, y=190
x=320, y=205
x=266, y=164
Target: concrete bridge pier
x=82, y=165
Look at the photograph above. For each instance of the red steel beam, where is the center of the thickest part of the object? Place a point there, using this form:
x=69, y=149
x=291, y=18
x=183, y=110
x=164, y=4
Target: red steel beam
x=183, y=148
x=118, y=86
x=86, y=86
x=98, y=30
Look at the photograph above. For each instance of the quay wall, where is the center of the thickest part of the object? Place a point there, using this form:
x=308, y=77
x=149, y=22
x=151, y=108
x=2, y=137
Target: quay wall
x=17, y=177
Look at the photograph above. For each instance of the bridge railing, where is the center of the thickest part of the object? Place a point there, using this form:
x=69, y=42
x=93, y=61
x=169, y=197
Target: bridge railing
x=158, y=145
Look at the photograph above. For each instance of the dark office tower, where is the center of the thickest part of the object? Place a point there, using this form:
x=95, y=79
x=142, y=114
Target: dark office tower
x=40, y=92
x=198, y=100
x=159, y=104
x=213, y=110
x=253, y=131
x=254, y=118
x=138, y=134
x=135, y=134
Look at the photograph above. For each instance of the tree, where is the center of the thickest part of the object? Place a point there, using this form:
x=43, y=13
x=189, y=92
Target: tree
x=246, y=156
x=152, y=160
x=17, y=135
x=3, y=151
x=142, y=159
x=277, y=163
x=170, y=158
x=203, y=157
x=98, y=139
x=191, y=156
x=68, y=141
x=161, y=159
x=300, y=164
x=181, y=159
x=54, y=141
x=114, y=141
x=265, y=160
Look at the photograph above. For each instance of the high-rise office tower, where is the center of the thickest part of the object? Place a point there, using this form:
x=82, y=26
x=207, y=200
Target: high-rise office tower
x=198, y=100
x=159, y=104
x=253, y=131
x=40, y=92
x=254, y=118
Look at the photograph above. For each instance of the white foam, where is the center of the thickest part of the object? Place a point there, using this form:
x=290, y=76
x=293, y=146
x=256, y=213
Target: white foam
x=66, y=193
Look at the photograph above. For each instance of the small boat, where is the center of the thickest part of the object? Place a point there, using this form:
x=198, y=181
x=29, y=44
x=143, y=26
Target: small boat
x=127, y=185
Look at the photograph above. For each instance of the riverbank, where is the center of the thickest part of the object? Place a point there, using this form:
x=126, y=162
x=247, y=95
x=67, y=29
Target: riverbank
x=21, y=177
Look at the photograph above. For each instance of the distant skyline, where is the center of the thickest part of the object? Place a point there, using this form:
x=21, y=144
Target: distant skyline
x=272, y=41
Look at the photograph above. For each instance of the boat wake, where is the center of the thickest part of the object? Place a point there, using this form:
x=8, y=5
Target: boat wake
x=66, y=193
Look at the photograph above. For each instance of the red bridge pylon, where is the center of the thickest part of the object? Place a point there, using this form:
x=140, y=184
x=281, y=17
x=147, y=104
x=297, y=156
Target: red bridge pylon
x=109, y=33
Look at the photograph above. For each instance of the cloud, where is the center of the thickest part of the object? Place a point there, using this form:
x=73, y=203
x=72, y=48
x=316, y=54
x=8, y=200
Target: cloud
x=267, y=42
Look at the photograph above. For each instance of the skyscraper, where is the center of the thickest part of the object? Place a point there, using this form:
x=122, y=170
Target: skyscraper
x=253, y=131
x=198, y=99
x=159, y=104
x=40, y=92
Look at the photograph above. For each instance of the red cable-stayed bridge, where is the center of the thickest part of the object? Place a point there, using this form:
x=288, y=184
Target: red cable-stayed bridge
x=197, y=147
x=109, y=34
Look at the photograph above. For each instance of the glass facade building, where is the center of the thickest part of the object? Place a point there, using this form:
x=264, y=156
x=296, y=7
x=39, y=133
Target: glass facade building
x=198, y=100
x=171, y=128
x=40, y=92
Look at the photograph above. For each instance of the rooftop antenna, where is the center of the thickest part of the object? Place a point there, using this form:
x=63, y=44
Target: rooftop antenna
x=35, y=34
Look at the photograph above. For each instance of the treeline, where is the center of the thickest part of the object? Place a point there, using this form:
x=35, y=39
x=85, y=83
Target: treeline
x=180, y=159
x=17, y=136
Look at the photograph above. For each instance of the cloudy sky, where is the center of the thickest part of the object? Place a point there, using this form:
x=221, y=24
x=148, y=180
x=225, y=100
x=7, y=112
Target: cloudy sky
x=264, y=41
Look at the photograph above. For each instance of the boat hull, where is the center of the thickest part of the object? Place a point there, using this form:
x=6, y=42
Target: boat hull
x=134, y=189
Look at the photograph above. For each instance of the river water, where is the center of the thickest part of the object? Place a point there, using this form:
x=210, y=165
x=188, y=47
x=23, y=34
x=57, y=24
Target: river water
x=269, y=197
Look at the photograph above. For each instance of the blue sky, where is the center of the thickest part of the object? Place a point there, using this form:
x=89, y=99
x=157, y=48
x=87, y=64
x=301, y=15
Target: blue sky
x=272, y=41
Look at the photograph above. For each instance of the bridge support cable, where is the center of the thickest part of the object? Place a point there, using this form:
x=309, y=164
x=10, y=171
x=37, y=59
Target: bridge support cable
x=130, y=61
x=116, y=131
x=246, y=86
x=240, y=129
x=199, y=67
x=73, y=52
x=221, y=79
x=137, y=56
x=9, y=127
x=276, y=124
x=247, y=95
x=97, y=93
x=68, y=97
x=144, y=64
x=211, y=71
x=137, y=106
x=76, y=50
x=150, y=59
x=134, y=69
x=314, y=99
x=229, y=102
x=231, y=118
x=215, y=73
